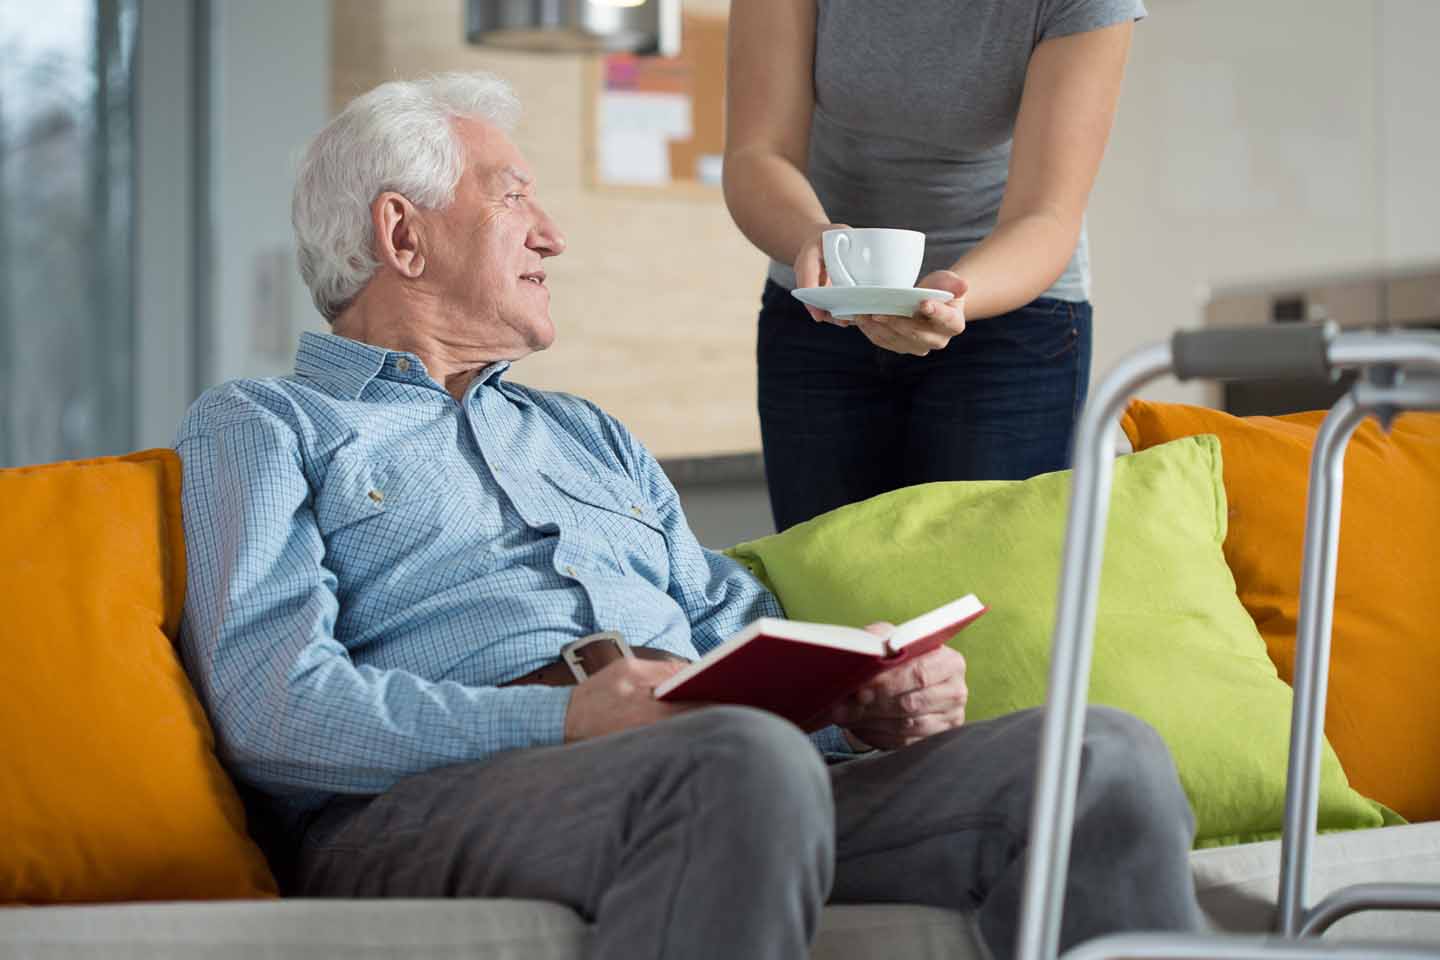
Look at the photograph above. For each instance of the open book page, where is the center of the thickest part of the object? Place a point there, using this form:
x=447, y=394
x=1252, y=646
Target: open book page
x=950, y=617
x=854, y=639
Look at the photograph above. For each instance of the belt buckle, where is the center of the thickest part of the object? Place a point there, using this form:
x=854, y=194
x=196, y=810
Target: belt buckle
x=570, y=653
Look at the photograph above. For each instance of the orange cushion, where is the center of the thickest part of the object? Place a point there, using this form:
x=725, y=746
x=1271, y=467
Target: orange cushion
x=1382, y=714
x=110, y=786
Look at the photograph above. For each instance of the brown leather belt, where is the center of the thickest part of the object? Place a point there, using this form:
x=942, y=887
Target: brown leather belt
x=585, y=656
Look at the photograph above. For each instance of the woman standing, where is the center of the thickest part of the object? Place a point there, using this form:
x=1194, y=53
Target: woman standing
x=981, y=123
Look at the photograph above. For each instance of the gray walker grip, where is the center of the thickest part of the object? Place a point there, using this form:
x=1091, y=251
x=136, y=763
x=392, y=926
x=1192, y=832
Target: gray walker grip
x=1285, y=352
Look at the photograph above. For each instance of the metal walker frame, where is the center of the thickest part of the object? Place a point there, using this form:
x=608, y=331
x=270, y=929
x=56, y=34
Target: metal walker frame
x=1385, y=360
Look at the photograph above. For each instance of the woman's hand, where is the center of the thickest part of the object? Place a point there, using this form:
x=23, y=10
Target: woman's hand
x=810, y=270
x=930, y=328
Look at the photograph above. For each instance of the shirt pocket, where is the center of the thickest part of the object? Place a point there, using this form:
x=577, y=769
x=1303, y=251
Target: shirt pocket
x=615, y=512
x=373, y=513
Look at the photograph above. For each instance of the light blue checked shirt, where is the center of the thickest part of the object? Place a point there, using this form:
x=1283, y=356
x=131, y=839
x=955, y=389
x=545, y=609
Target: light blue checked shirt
x=368, y=559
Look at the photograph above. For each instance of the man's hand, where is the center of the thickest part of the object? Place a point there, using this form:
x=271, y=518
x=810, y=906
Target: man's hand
x=930, y=328
x=619, y=697
x=907, y=703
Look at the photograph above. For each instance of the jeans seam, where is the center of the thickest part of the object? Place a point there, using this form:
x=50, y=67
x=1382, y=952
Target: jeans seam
x=1076, y=377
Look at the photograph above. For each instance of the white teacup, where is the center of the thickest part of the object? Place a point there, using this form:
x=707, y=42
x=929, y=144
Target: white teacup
x=873, y=256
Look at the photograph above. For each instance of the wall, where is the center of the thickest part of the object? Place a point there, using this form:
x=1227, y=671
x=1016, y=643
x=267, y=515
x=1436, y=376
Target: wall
x=1409, y=130
x=270, y=92
x=1257, y=142
x=165, y=185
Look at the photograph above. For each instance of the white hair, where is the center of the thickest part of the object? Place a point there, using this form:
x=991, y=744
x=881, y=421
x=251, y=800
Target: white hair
x=396, y=137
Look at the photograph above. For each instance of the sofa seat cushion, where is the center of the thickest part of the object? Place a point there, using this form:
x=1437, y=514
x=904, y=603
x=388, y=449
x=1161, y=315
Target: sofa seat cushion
x=418, y=930
x=1237, y=885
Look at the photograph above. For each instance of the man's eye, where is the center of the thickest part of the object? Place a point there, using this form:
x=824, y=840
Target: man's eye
x=514, y=196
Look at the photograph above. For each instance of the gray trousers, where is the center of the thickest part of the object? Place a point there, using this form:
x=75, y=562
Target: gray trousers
x=721, y=833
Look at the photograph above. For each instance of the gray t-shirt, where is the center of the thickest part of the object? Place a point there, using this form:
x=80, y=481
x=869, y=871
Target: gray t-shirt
x=915, y=107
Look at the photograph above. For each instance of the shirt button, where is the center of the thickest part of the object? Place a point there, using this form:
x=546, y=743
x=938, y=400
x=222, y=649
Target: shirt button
x=636, y=509
x=376, y=495
x=569, y=570
x=403, y=365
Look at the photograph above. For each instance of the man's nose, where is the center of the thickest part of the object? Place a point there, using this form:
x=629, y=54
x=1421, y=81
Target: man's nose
x=545, y=236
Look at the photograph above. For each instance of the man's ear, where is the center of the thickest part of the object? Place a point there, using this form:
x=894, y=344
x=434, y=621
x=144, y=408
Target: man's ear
x=399, y=241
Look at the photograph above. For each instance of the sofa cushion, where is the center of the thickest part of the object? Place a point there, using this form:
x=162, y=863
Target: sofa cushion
x=1237, y=885
x=111, y=789
x=1173, y=644
x=423, y=930
x=1381, y=713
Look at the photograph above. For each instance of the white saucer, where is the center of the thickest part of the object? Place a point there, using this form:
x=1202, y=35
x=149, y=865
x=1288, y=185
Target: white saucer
x=850, y=301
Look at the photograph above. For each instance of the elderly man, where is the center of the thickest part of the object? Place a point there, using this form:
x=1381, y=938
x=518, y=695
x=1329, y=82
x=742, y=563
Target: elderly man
x=389, y=549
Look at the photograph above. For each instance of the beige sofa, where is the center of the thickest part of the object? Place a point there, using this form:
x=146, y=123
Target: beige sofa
x=1236, y=886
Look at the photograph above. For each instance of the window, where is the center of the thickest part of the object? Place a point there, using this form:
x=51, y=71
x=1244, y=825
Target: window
x=66, y=187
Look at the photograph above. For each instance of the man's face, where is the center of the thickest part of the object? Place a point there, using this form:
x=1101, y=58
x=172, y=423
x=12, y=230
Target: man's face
x=483, y=258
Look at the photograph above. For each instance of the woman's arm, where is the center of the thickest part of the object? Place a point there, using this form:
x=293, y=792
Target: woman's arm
x=1072, y=87
x=770, y=93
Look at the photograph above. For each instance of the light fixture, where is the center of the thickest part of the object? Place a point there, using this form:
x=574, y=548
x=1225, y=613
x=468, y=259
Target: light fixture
x=576, y=26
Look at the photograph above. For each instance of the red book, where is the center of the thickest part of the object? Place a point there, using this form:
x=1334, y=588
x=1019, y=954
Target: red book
x=799, y=670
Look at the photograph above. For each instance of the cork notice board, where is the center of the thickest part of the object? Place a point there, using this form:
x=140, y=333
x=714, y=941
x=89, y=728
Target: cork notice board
x=658, y=123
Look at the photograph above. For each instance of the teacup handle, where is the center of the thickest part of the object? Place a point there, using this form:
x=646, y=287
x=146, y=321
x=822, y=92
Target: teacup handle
x=839, y=245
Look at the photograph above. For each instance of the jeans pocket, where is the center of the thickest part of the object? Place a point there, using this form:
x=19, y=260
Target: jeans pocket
x=1044, y=329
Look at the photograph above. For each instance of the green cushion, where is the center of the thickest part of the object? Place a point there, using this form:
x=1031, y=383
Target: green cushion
x=1173, y=644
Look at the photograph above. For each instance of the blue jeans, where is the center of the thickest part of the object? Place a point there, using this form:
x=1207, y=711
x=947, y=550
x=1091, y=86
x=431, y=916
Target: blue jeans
x=842, y=420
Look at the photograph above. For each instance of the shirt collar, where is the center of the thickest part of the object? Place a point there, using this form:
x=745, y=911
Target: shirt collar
x=344, y=366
